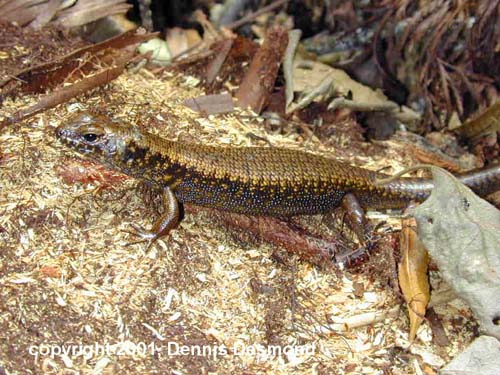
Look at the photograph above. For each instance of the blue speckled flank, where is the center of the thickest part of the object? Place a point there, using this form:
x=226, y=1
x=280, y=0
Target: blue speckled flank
x=257, y=200
x=252, y=180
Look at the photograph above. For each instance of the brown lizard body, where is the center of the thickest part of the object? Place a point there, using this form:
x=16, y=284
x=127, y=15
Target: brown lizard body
x=251, y=180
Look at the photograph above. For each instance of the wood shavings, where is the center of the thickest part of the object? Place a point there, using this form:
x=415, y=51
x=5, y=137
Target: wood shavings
x=67, y=272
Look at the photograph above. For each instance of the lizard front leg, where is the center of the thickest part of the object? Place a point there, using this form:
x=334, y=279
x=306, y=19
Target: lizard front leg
x=165, y=223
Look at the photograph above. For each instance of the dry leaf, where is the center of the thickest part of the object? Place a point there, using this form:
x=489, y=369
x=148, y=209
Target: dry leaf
x=479, y=358
x=310, y=75
x=317, y=81
x=211, y=104
x=180, y=40
x=293, y=41
x=413, y=275
x=462, y=234
x=487, y=122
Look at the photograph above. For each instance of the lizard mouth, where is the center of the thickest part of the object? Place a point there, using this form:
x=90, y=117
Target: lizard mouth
x=61, y=133
x=70, y=139
x=67, y=136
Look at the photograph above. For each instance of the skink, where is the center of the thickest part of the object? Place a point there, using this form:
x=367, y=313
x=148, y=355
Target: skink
x=250, y=180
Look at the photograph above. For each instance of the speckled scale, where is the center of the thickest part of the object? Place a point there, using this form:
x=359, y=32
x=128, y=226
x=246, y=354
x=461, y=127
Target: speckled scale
x=266, y=180
x=257, y=180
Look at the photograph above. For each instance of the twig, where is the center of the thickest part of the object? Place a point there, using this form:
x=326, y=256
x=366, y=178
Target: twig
x=66, y=93
x=252, y=16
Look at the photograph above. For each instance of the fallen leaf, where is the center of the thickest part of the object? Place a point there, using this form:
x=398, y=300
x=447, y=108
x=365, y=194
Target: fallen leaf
x=73, y=171
x=313, y=74
x=158, y=48
x=480, y=357
x=412, y=275
x=180, y=40
x=486, y=122
x=293, y=42
x=51, y=271
x=462, y=234
x=211, y=104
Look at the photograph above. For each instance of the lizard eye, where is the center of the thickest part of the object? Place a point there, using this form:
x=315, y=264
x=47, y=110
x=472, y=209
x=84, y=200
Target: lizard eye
x=90, y=137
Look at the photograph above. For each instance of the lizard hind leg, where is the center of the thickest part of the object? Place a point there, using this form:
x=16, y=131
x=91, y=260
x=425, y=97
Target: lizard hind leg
x=356, y=218
x=165, y=223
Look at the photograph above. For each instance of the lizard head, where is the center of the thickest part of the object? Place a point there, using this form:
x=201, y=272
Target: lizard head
x=96, y=137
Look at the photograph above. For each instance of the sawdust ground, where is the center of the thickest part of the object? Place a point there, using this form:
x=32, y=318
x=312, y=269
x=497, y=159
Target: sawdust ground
x=68, y=279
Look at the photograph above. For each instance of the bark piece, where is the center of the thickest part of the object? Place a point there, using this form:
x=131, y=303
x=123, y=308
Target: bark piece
x=258, y=83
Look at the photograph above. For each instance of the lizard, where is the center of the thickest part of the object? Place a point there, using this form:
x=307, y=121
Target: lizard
x=263, y=181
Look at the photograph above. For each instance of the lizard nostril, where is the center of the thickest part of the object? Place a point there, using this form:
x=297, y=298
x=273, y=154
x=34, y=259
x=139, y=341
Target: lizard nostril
x=59, y=132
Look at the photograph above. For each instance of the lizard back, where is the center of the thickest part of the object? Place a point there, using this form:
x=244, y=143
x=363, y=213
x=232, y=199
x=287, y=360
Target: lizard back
x=253, y=180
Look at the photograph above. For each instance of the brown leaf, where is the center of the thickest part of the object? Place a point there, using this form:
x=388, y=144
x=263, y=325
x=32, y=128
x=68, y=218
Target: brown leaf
x=47, y=12
x=180, y=40
x=83, y=12
x=73, y=171
x=211, y=104
x=51, y=271
x=487, y=122
x=63, y=94
x=70, y=68
x=413, y=275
